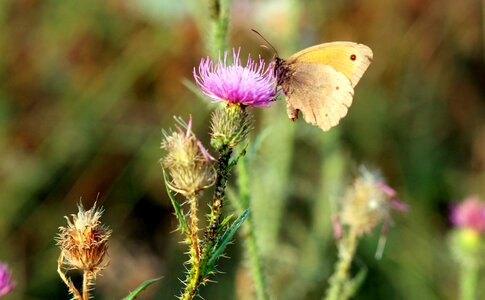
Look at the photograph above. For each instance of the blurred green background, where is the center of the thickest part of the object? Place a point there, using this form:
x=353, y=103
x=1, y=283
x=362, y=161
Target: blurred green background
x=87, y=86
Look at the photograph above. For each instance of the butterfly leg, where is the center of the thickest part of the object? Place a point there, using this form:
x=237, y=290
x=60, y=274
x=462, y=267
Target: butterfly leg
x=292, y=112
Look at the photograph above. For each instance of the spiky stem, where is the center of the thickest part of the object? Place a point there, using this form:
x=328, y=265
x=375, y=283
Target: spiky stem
x=223, y=171
x=341, y=274
x=198, y=273
x=193, y=278
x=86, y=285
x=70, y=285
x=193, y=230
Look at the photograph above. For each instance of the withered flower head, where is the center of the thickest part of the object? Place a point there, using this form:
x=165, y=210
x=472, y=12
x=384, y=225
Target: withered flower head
x=84, y=242
x=187, y=161
x=368, y=202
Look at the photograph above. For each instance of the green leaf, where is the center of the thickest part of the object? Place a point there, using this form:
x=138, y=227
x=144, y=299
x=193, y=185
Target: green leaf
x=234, y=159
x=225, y=221
x=140, y=288
x=224, y=240
x=176, y=205
x=351, y=287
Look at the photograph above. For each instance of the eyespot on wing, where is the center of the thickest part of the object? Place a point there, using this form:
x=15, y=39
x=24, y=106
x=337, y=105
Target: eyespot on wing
x=351, y=59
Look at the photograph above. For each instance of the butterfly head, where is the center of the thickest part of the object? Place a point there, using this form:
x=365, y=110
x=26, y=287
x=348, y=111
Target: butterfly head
x=281, y=71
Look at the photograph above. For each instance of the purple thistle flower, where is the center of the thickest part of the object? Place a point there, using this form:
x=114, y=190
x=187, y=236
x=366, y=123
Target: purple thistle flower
x=6, y=284
x=469, y=214
x=252, y=85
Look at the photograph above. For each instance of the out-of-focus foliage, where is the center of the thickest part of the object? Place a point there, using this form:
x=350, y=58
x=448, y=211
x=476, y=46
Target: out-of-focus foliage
x=87, y=86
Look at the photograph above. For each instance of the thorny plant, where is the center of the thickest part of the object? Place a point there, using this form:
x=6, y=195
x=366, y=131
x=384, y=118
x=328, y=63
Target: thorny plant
x=190, y=169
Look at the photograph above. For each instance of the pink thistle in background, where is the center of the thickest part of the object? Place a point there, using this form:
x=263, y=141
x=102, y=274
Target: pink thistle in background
x=469, y=214
x=6, y=284
x=252, y=85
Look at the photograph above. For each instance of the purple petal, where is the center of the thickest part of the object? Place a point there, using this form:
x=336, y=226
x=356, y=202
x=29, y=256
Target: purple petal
x=469, y=214
x=252, y=85
x=6, y=284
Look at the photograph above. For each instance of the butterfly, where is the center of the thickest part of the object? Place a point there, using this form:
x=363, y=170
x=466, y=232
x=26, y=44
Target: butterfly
x=319, y=81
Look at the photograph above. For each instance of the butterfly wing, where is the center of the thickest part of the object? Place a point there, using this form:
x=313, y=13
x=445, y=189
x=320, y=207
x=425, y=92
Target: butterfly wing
x=349, y=58
x=321, y=93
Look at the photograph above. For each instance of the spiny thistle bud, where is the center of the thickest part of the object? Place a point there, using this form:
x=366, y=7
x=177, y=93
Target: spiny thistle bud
x=187, y=161
x=230, y=126
x=84, y=242
x=368, y=202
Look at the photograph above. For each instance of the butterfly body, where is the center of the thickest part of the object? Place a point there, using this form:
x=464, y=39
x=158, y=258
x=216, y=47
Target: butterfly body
x=319, y=81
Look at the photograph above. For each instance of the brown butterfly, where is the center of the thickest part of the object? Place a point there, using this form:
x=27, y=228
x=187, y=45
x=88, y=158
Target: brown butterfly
x=319, y=81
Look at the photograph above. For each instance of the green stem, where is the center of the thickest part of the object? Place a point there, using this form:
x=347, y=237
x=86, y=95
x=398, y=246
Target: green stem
x=256, y=265
x=220, y=22
x=341, y=274
x=469, y=280
x=191, y=289
x=250, y=237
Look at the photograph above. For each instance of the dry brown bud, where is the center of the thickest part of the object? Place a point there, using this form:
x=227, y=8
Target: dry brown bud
x=84, y=242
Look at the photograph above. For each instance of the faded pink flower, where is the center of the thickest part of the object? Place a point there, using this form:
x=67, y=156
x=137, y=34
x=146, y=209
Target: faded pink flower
x=6, y=284
x=469, y=214
x=368, y=202
x=187, y=161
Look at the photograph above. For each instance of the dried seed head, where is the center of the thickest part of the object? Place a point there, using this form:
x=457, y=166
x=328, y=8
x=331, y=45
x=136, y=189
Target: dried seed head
x=84, y=242
x=368, y=202
x=187, y=161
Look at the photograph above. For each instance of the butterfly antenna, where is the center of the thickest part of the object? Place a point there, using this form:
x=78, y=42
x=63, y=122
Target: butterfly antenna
x=274, y=49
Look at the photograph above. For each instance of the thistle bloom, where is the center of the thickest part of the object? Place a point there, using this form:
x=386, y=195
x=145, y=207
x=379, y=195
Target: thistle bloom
x=252, y=85
x=470, y=214
x=6, y=284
